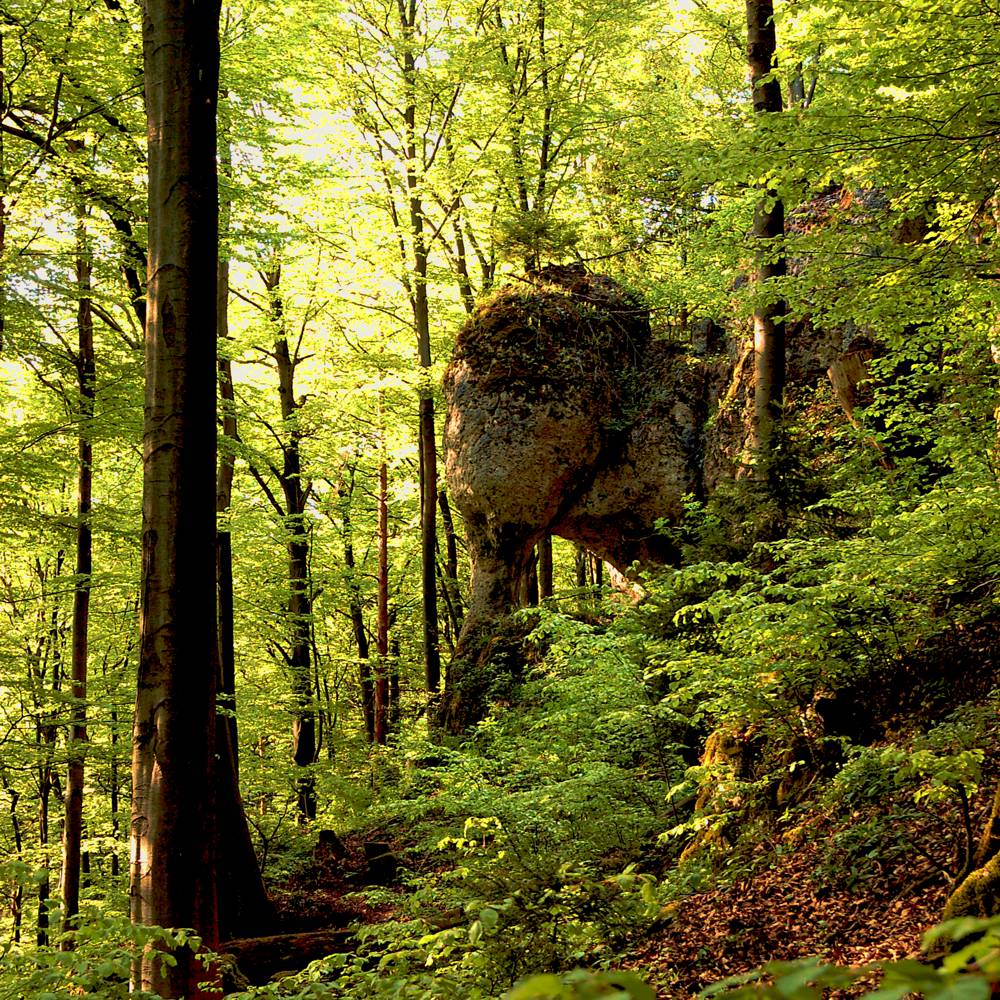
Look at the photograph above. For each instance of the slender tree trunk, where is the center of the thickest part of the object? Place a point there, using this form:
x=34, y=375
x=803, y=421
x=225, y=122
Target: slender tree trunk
x=17, y=896
x=393, y=683
x=113, y=782
x=45, y=737
x=365, y=679
x=545, y=567
x=44, y=887
x=382, y=630
x=184, y=793
x=452, y=589
x=768, y=229
x=224, y=488
x=86, y=388
x=421, y=317
x=580, y=565
x=295, y=495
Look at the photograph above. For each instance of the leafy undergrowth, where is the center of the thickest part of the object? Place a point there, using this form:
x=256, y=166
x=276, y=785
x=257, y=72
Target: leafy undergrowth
x=782, y=756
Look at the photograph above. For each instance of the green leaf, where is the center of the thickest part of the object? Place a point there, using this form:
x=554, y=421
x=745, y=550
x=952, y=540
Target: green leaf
x=538, y=987
x=964, y=987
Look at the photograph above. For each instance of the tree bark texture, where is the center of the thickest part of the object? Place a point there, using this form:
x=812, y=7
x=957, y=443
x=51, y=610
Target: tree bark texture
x=224, y=490
x=177, y=805
x=382, y=630
x=365, y=679
x=768, y=230
x=407, y=11
x=545, y=587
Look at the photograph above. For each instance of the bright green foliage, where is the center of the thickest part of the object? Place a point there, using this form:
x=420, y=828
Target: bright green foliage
x=619, y=133
x=100, y=964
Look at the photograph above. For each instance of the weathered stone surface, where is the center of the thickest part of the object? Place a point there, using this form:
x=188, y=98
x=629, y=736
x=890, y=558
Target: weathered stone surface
x=566, y=418
x=542, y=386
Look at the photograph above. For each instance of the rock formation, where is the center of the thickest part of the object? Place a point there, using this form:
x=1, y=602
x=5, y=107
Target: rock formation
x=565, y=417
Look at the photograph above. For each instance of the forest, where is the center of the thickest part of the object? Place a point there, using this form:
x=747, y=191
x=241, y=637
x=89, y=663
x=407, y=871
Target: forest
x=496, y=499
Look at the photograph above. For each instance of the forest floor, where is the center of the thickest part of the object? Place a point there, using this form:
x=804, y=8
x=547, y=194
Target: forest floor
x=853, y=871
x=798, y=903
x=784, y=913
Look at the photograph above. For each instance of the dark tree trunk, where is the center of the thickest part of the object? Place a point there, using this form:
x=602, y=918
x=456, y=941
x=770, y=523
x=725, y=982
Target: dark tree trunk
x=768, y=230
x=393, y=683
x=382, y=628
x=545, y=567
x=596, y=570
x=365, y=679
x=407, y=11
x=580, y=565
x=85, y=370
x=17, y=896
x=49, y=655
x=295, y=495
x=224, y=492
x=185, y=806
x=451, y=562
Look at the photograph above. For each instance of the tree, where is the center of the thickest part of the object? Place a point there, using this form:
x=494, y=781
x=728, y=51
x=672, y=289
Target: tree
x=184, y=797
x=86, y=386
x=768, y=225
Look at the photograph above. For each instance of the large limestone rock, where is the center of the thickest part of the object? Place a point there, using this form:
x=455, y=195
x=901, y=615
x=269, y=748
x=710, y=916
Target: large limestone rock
x=565, y=417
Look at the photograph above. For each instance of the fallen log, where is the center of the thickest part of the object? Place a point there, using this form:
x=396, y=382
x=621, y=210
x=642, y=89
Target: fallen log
x=259, y=958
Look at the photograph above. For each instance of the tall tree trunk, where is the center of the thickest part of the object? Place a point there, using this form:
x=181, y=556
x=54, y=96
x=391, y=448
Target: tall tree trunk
x=382, y=629
x=184, y=793
x=545, y=567
x=113, y=776
x=17, y=897
x=769, y=229
x=580, y=565
x=44, y=886
x=365, y=679
x=224, y=487
x=49, y=655
x=454, y=594
x=393, y=683
x=407, y=11
x=86, y=388
x=295, y=495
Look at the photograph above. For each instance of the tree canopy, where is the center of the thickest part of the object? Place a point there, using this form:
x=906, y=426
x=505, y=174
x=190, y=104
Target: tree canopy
x=238, y=248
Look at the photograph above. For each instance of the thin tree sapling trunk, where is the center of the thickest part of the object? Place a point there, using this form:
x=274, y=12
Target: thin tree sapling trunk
x=366, y=681
x=224, y=487
x=382, y=628
x=86, y=389
x=768, y=230
x=295, y=494
x=545, y=587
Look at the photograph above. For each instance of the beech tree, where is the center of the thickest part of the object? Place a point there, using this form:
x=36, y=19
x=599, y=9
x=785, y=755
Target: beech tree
x=185, y=802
